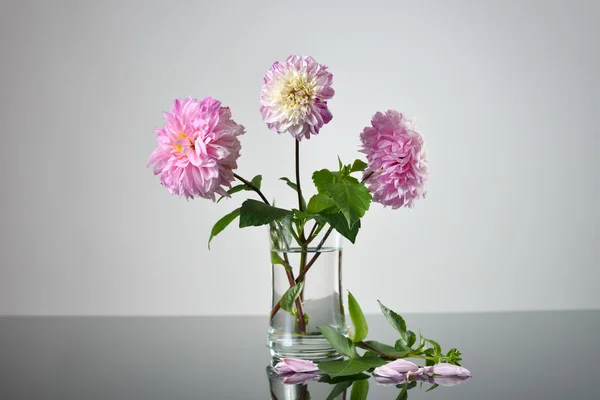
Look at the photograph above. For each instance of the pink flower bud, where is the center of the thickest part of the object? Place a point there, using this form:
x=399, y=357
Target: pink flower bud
x=396, y=369
x=446, y=369
x=291, y=365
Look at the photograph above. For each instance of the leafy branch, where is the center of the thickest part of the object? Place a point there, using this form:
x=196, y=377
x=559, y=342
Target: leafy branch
x=407, y=346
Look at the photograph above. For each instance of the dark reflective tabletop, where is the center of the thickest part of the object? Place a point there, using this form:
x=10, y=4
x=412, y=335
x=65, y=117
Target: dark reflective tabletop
x=538, y=355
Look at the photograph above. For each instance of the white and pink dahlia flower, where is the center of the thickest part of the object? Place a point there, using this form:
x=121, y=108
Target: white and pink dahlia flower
x=294, y=96
x=397, y=160
x=197, y=148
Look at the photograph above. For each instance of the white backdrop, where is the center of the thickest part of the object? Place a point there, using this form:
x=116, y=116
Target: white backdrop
x=505, y=92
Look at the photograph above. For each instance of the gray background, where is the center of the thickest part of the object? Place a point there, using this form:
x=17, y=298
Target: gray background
x=505, y=92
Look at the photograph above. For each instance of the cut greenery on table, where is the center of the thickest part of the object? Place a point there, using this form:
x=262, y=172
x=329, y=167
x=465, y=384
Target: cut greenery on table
x=408, y=345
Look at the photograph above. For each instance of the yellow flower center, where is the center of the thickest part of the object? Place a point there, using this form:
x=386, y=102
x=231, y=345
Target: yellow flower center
x=179, y=147
x=297, y=92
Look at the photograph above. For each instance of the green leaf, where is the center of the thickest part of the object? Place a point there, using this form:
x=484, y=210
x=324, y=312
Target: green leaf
x=338, y=221
x=361, y=329
x=343, y=368
x=256, y=213
x=358, y=166
x=222, y=224
x=401, y=346
x=318, y=203
x=345, y=378
x=394, y=319
x=350, y=367
x=453, y=356
x=353, y=200
x=295, y=187
x=339, y=389
x=302, y=214
x=432, y=387
x=407, y=340
x=360, y=390
x=437, y=349
x=290, y=296
x=403, y=395
x=289, y=183
x=350, y=179
x=256, y=181
x=322, y=178
x=339, y=342
x=387, y=349
x=373, y=359
x=276, y=259
x=235, y=189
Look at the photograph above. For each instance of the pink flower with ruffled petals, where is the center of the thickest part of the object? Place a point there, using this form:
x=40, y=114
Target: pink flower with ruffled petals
x=197, y=148
x=397, y=160
x=294, y=96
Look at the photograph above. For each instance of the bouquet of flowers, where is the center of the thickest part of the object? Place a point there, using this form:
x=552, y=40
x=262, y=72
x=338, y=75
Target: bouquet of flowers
x=197, y=154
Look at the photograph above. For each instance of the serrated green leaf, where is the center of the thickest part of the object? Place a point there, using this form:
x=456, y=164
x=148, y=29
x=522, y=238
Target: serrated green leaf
x=360, y=390
x=339, y=223
x=358, y=166
x=394, y=319
x=256, y=213
x=339, y=389
x=290, y=296
x=353, y=200
x=409, y=339
x=339, y=342
x=322, y=178
x=256, y=181
x=222, y=224
x=361, y=329
x=318, y=203
x=293, y=186
x=389, y=350
x=350, y=179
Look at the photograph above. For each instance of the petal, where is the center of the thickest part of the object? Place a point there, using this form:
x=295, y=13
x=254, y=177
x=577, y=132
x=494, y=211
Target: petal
x=446, y=369
x=298, y=365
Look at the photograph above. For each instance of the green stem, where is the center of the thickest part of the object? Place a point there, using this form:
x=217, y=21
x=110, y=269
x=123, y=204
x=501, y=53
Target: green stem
x=251, y=186
x=367, y=346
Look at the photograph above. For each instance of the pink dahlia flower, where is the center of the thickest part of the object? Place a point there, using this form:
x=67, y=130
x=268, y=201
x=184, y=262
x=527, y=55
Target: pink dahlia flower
x=294, y=96
x=397, y=160
x=197, y=148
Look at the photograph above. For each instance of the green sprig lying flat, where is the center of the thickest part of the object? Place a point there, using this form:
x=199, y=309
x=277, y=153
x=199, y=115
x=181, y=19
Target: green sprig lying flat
x=377, y=354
